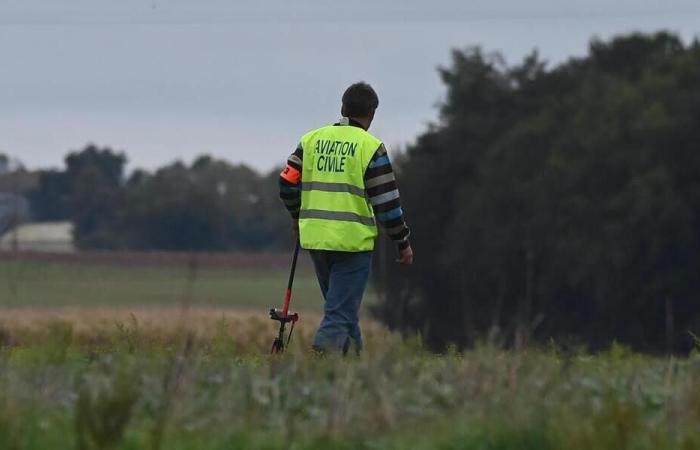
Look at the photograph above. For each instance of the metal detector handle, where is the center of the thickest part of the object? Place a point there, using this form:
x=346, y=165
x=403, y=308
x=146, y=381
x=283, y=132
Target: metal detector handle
x=288, y=294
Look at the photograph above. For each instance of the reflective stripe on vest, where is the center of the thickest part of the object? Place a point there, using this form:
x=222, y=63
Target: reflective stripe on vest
x=333, y=187
x=335, y=213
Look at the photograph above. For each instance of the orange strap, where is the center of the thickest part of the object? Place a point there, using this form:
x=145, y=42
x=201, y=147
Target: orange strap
x=291, y=174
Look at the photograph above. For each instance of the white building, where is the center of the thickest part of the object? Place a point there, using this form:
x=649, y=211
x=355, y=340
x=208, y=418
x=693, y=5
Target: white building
x=55, y=237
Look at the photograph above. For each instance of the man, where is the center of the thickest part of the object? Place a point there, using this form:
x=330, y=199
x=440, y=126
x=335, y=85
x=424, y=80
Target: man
x=337, y=184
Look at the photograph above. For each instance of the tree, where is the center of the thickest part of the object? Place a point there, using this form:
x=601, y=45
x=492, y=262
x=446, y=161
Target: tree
x=568, y=207
x=95, y=177
x=50, y=200
x=211, y=205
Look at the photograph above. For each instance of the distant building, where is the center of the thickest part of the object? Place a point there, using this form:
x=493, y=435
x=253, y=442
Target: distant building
x=55, y=237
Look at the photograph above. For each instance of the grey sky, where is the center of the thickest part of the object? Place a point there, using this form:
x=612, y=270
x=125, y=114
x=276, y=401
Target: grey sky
x=243, y=80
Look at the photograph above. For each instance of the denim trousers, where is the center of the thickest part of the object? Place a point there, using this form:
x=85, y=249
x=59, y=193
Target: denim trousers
x=342, y=277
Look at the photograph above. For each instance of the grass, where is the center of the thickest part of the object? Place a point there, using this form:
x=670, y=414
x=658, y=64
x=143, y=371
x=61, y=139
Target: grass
x=36, y=283
x=129, y=386
x=106, y=357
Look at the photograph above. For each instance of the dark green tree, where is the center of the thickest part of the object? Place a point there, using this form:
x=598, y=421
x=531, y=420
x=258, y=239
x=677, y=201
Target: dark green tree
x=95, y=177
x=170, y=211
x=210, y=205
x=50, y=200
x=557, y=203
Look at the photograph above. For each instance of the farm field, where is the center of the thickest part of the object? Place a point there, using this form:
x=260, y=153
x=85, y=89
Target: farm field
x=107, y=356
x=209, y=385
x=38, y=283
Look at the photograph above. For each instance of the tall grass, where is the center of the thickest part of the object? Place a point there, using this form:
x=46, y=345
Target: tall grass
x=129, y=386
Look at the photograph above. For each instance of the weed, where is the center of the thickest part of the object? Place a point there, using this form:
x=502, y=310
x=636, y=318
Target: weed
x=104, y=408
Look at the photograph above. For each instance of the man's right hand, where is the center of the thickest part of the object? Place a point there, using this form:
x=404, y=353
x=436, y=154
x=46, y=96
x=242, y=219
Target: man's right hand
x=406, y=256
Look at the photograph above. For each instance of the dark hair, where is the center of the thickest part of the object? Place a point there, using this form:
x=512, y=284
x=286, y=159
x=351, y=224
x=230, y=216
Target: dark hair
x=359, y=100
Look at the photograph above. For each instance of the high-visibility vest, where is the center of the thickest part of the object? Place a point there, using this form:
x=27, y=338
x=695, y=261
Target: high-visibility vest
x=335, y=212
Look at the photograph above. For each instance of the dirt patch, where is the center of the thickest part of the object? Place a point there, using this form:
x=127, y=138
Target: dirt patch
x=250, y=328
x=164, y=318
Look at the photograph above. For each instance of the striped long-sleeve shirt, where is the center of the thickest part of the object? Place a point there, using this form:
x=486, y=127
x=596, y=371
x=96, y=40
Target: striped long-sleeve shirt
x=380, y=188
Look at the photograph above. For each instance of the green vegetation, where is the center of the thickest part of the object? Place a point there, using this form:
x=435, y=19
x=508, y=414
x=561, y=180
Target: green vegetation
x=208, y=205
x=558, y=201
x=51, y=284
x=124, y=388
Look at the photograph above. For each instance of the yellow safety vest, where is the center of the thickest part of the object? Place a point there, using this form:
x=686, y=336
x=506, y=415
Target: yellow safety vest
x=335, y=213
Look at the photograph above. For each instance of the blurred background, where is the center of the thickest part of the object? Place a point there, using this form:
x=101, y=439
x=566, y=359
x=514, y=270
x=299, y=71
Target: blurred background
x=546, y=153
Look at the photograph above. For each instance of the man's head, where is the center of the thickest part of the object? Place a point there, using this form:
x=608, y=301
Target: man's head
x=359, y=103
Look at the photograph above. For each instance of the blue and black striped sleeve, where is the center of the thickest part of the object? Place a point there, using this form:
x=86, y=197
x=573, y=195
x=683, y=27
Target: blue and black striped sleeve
x=383, y=194
x=290, y=183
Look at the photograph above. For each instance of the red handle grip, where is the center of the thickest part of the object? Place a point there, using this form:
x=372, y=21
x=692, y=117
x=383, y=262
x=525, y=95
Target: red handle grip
x=285, y=305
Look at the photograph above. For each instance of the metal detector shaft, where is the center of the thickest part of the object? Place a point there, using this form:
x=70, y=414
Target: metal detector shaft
x=283, y=316
x=290, y=283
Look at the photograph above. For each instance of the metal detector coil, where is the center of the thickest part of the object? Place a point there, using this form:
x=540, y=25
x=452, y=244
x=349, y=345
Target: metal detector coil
x=277, y=314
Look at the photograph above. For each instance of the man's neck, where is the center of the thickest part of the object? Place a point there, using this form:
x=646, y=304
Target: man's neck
x=355, y=122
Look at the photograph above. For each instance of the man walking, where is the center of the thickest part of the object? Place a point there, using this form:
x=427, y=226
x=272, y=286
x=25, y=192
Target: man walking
x=337, y=184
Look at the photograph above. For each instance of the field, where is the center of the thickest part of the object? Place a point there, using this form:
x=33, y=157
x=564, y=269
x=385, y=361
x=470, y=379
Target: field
x=31, y=281
x=102, y=356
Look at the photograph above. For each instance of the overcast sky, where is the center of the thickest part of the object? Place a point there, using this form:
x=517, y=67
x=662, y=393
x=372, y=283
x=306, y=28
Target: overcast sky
x=166, y=80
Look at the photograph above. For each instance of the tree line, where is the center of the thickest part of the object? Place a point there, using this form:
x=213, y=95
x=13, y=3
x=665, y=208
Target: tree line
x=557, y=203
x=209, y=205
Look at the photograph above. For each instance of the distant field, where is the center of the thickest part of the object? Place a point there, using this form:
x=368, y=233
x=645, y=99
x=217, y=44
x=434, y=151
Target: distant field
x=56, y=283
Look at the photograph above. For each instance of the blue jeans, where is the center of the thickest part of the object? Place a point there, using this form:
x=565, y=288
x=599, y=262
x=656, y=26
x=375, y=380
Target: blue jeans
x=343, y=278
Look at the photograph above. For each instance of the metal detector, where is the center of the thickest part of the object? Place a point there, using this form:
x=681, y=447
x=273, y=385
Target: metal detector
x=283, y=316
